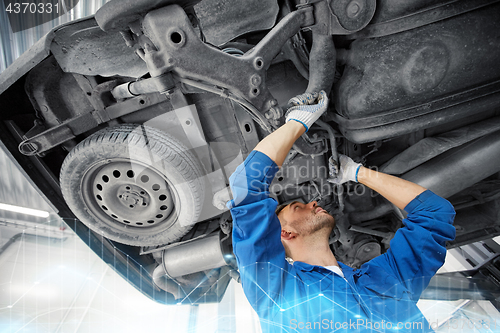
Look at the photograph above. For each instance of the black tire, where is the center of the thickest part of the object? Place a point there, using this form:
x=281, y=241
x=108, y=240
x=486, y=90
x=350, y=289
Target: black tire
x=133, y=184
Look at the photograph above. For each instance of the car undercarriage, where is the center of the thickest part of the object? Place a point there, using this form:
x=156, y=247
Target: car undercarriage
x=131, y=122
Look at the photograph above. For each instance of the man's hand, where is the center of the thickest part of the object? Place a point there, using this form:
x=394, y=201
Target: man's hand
x=348, y=170
x=398, y=191
x=307, y=108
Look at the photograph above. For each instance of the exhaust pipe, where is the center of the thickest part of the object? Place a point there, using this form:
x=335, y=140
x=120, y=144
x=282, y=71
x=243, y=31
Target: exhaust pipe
x=199, y=255
x=459, y=168
x=163, y=282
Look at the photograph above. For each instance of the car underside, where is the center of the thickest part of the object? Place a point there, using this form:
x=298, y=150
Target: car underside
x=131, y=122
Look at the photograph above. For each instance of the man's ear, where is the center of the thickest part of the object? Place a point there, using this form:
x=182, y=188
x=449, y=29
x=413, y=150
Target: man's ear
x=288, y=235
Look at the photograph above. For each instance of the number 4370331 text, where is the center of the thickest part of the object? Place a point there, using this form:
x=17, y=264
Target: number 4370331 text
x=32, y=8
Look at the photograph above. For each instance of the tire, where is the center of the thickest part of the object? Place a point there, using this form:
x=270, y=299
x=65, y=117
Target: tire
x=133, y=184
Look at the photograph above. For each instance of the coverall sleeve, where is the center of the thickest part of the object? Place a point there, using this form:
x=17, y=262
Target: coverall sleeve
x=257, y=232
x=418, y=249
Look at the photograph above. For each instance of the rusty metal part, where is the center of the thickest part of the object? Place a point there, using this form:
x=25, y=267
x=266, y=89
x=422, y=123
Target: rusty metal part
x=413, y=80
x=297, y=174
x=256, y=115
x=223, y=20
x=341, y=17
x=304, y=147
x=206, y=253
x=94, y=92
x=163, y=83
x=161, y=280
x=420, y=18
x=82, y=47
x=274, y=114
x=380, y=210
x=366, y=250
x=183, y=53
x=55, y=95
x=117, y=15
x=385, y=235
x=407, y=120
x=322, y=63
x=469, y=164
x=291, y=50
x=353, y=15
x=430, y=147
x=72, y=127
x=335, y=156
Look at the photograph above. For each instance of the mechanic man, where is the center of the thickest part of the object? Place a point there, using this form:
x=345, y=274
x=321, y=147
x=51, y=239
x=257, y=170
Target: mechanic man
x=316, y=293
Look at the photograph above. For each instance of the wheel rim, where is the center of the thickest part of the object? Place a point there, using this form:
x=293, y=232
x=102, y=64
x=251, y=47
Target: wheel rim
x=124, y=193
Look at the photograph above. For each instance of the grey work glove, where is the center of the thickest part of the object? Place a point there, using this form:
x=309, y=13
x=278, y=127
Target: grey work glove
x=307, y=108
x=348, y=170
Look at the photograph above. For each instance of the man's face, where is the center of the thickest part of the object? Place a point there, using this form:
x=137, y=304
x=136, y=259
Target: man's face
x=305, y=219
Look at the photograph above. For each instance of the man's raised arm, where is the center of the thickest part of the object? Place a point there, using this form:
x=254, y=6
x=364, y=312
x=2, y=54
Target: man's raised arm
x=277, y=144
x=419, y=248
x=397, y=190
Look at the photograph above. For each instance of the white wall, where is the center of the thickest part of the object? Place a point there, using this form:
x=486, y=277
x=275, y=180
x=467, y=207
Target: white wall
x=51, y=285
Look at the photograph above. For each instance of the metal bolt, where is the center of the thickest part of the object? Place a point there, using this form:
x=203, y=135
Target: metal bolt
x=353, y=9
x=256, y=79
x=148, y=48
x=273, y=113
x=169, y=92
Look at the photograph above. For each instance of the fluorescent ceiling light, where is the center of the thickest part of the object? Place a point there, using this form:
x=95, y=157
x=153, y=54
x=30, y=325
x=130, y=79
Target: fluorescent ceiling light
x=29, y=211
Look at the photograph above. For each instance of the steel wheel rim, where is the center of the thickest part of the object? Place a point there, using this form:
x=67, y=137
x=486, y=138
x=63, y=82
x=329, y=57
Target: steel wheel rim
x=128, y=194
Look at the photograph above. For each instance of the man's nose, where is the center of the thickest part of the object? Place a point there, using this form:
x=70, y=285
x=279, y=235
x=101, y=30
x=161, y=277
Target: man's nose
x=312, y=204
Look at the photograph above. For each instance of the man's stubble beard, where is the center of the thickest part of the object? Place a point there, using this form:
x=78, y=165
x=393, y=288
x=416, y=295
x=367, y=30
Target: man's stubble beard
x=318, y=222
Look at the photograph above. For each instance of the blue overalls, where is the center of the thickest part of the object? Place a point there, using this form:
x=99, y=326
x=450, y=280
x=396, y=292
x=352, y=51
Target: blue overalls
x=380, y=296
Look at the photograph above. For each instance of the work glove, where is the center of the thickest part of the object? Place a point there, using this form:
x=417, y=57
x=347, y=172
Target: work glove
x=307, y=108
x=348, y=170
